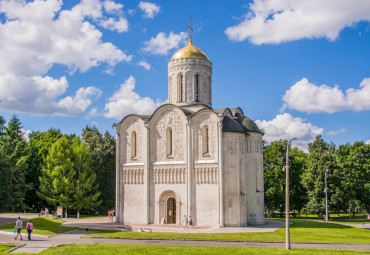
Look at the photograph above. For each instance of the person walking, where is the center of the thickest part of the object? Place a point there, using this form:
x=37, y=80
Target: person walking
x=112, y=215
x=18, y=226
x=109, y=213
x=190, y=222
x=29, y=228
x=185, y=222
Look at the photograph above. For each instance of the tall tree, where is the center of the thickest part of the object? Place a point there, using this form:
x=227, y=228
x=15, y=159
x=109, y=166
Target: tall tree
x=275, y=177
x=67, y=178
x=39, y=145
x=57, y=183
x=14, y=156
x=103, y=152
x=86, y=195
x=321, y=157
x=4, y=174
x=355, y=175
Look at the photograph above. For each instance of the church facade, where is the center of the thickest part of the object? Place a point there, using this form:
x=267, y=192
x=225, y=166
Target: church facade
x=188, y=158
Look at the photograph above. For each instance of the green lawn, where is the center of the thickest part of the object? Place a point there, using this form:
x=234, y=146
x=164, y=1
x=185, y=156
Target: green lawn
x=5, y=247
x=42, y=226
x=161, y=249
x=300, y=231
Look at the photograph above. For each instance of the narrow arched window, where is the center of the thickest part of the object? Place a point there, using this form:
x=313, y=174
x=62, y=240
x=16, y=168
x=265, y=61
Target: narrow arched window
x=169, y=141
x=180, y=96
x=205, y=141
x=196, y=87
x=133, y=144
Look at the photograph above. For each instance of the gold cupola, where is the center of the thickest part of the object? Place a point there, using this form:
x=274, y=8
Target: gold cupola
x=190, y=51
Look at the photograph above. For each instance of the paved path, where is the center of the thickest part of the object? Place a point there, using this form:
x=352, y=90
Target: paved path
x=40, y=243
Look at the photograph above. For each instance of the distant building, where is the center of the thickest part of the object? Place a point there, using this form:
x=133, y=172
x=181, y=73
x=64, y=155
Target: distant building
x=189, y=159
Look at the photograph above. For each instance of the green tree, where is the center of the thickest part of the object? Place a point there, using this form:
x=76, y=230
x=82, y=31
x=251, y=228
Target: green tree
x=103, y=152
x=14, y=164
x=39, y=144
x=355, y=175
x=67, y=178
x=57, y=183
x=4, y=174
x=274, y=177
x=86, y=195
x=321, y=157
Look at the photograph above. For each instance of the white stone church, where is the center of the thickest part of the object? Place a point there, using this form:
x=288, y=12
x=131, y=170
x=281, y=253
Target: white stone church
x=188, y=158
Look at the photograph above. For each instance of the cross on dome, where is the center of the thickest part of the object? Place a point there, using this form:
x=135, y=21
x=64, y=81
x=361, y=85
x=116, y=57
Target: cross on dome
x=190, y=30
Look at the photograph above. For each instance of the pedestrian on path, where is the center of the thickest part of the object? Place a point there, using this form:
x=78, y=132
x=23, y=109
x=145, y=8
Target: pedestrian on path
x=185, y=222
x=109, y=213
x=18, y=226
x=190, y=222
x=29, y=228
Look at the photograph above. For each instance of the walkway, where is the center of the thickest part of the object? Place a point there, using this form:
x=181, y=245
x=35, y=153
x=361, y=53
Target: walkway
x=40, y=243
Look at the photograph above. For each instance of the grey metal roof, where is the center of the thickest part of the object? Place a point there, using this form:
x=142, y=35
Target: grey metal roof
x=231, y=125
x=247, y=124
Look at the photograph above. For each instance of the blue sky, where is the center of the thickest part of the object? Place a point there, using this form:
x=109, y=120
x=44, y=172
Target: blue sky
x=298, y=68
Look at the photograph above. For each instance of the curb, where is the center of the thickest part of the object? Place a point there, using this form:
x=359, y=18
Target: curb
x=231, y=241
x=13, y=249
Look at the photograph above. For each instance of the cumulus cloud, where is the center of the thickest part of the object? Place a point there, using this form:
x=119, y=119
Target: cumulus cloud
x=111, y=7
x=93, y=113
x=368, y=141
x=336, y=132
x=120, y=25
x=162, y=44
x=36, y=35
x=26, y=134
x=127, y=101
x=277, y=21
x=149, y=9
x=145, y=65
x=307, y=97
x=285, y=126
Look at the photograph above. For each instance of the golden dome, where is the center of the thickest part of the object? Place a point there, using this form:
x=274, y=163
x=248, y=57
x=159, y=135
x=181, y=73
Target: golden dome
x=190, y=51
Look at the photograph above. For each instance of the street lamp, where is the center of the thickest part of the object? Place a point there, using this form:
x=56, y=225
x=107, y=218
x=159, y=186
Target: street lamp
x=326, y=195
x=287, y=238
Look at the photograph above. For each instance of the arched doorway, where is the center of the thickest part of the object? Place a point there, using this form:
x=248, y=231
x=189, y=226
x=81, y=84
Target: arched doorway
x=171, y=210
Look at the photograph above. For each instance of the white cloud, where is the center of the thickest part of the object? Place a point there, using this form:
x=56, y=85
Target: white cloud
x=127, y=101
x=285, y=126
x=145, y=65
x=36, y=35
x=26, y=134
x=111, y=7
x=162, y=44
x=368, y=141
x=307, y=97
x=120, y=25
x=149, y=9
x=276, y=21
x=93, y=113
x=336, y=132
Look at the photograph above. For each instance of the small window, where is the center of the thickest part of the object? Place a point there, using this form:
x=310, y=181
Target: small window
x=205, y=141
x=169, y=142
x=197, y=87
x=180, y=91
x=133, y=144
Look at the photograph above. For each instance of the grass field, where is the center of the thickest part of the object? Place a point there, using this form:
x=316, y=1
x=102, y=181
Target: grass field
x=160, y=249
x=300, y=231
x=42, y=226
x=5, y=247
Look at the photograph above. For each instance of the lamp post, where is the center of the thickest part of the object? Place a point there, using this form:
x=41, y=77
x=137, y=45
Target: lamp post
x=287, y=237
x=326, y=195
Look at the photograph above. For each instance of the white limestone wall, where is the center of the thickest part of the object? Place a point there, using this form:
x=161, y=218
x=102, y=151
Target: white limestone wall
x=231, y=178
x=255, y=190
x=189, y=68
x=165, y=117
x=205, y=195
x=132, y=123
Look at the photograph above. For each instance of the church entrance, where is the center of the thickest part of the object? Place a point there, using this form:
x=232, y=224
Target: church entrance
x=171, y=210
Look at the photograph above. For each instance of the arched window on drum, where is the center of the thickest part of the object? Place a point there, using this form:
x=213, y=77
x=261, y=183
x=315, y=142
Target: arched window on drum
x=205, y=140
x=133, y=145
